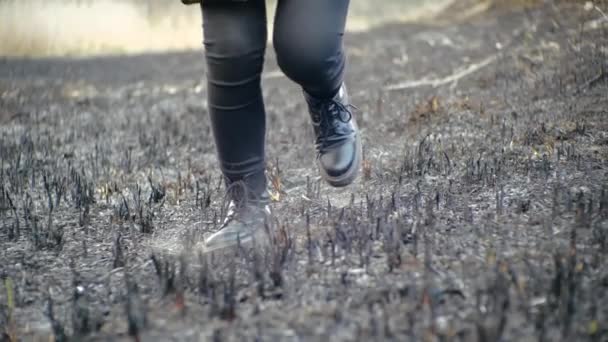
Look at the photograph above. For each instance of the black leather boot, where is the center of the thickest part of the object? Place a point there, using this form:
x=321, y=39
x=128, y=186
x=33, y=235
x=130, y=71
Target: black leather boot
x=337, y=142
x=246, y=218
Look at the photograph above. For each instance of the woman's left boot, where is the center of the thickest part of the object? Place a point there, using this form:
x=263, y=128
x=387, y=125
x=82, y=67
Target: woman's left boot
x=338, y=142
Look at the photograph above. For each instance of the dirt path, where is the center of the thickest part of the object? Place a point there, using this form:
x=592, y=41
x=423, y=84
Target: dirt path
x=481, y=212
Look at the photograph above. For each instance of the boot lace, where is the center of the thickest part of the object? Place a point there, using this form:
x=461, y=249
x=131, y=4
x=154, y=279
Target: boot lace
x=236, y=204
x=333, y=118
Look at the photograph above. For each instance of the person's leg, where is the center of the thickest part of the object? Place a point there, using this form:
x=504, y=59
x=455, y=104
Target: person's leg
x=308, y=42
x=235, y=40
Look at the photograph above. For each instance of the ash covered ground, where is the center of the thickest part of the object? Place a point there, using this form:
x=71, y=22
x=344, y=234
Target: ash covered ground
x=481, y=212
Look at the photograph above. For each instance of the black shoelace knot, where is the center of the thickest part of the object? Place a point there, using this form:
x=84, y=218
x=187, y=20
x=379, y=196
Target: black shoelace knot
x=333, y=120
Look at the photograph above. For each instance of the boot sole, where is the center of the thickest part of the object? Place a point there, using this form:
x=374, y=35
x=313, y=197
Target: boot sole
x=350, y=175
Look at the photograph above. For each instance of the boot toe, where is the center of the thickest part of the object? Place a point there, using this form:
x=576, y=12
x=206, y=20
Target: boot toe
x=228, y=237
x=339, y=161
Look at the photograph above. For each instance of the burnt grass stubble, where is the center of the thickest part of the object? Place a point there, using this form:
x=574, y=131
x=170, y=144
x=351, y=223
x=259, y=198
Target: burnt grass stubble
x=481, y=212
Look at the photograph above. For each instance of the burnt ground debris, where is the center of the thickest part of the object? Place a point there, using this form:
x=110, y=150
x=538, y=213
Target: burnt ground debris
x=481, y=213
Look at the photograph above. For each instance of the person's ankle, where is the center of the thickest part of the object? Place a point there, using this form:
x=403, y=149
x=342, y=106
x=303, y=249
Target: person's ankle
x=249, y=188
x=320, y=97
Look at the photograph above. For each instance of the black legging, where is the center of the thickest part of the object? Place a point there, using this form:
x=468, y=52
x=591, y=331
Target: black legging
x=308, y=43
